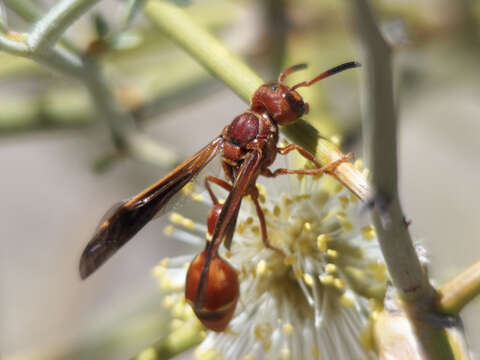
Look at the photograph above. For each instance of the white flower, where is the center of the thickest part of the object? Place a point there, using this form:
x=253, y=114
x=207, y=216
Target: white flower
x=315, y=302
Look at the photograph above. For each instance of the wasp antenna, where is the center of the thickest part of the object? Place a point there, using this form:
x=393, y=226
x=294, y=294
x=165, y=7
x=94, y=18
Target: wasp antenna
x=291, y=69
x=332, y=71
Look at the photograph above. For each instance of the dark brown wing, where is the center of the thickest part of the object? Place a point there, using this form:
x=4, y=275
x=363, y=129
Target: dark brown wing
x=248, y=173
x=122, y=222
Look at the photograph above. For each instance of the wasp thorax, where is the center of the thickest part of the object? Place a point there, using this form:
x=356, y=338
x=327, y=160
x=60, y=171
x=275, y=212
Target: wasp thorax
x=218, y=295
x=282, y=103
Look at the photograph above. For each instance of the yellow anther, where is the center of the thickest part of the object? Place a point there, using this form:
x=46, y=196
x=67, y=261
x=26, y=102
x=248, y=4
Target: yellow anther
x=287, y=329
x=186, y=265
x=298, y=273
x=366, y=172
x=164, y=262
x=336, y=139
x=267, y=344
x=188, y=188
x=255, y=229
x=346, y=300
x=347, y=225
x=339, y=284
x=344, y=201
x=322, y=241
x=228, y=254
x=307, y=226
x=326, y=279
x=188, y=223
x=241, y=227
x=176, y=324
x=168, y=302
x=261, y=199
x=330, y=268
x=341, y=216
x=276, y=211
x=249, y=220
x=332, y=253
x=158, y=271
x=369, y=232
x=308, y=279
x=288, y=201
x=338, y=188
x=379, y=271
x=176, y=218
x=248, y=357
x=261, y=268
x=198, y=197
x=289, y=260
x=168, y=230
x=358, y=164
x=262, y=190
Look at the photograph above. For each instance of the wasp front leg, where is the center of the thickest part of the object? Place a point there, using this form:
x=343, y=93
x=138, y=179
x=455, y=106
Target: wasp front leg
x=328, y=168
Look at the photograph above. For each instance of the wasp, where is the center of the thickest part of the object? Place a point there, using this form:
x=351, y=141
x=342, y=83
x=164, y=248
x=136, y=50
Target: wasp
x=249, y=147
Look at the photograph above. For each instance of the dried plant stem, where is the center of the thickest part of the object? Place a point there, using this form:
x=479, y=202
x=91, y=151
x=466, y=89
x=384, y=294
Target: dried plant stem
x=380, y=126
x=460, y=290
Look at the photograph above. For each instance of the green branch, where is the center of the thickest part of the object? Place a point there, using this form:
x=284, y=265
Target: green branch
x=201, y=45
x=458, y=292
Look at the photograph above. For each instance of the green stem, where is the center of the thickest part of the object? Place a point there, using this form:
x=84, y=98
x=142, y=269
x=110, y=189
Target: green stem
x=459, y=291
x=176, y=343
x=207, y=50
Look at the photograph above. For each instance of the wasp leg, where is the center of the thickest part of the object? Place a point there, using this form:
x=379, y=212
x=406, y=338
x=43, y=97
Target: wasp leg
x=328, y=168
x=219, y=182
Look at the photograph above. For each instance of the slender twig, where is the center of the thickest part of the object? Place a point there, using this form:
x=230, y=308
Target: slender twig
x=460, y=290
x=276, y=31
x=380, y=126
x=121, y=124
x=48, y=30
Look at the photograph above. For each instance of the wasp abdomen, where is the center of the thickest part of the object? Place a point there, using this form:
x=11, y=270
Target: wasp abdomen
x=219, y=295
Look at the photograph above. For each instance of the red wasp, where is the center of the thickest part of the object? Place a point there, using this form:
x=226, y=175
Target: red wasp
x=249, y=146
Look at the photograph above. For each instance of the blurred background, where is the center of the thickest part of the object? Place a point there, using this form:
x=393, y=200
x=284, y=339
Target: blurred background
x=60, y=171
